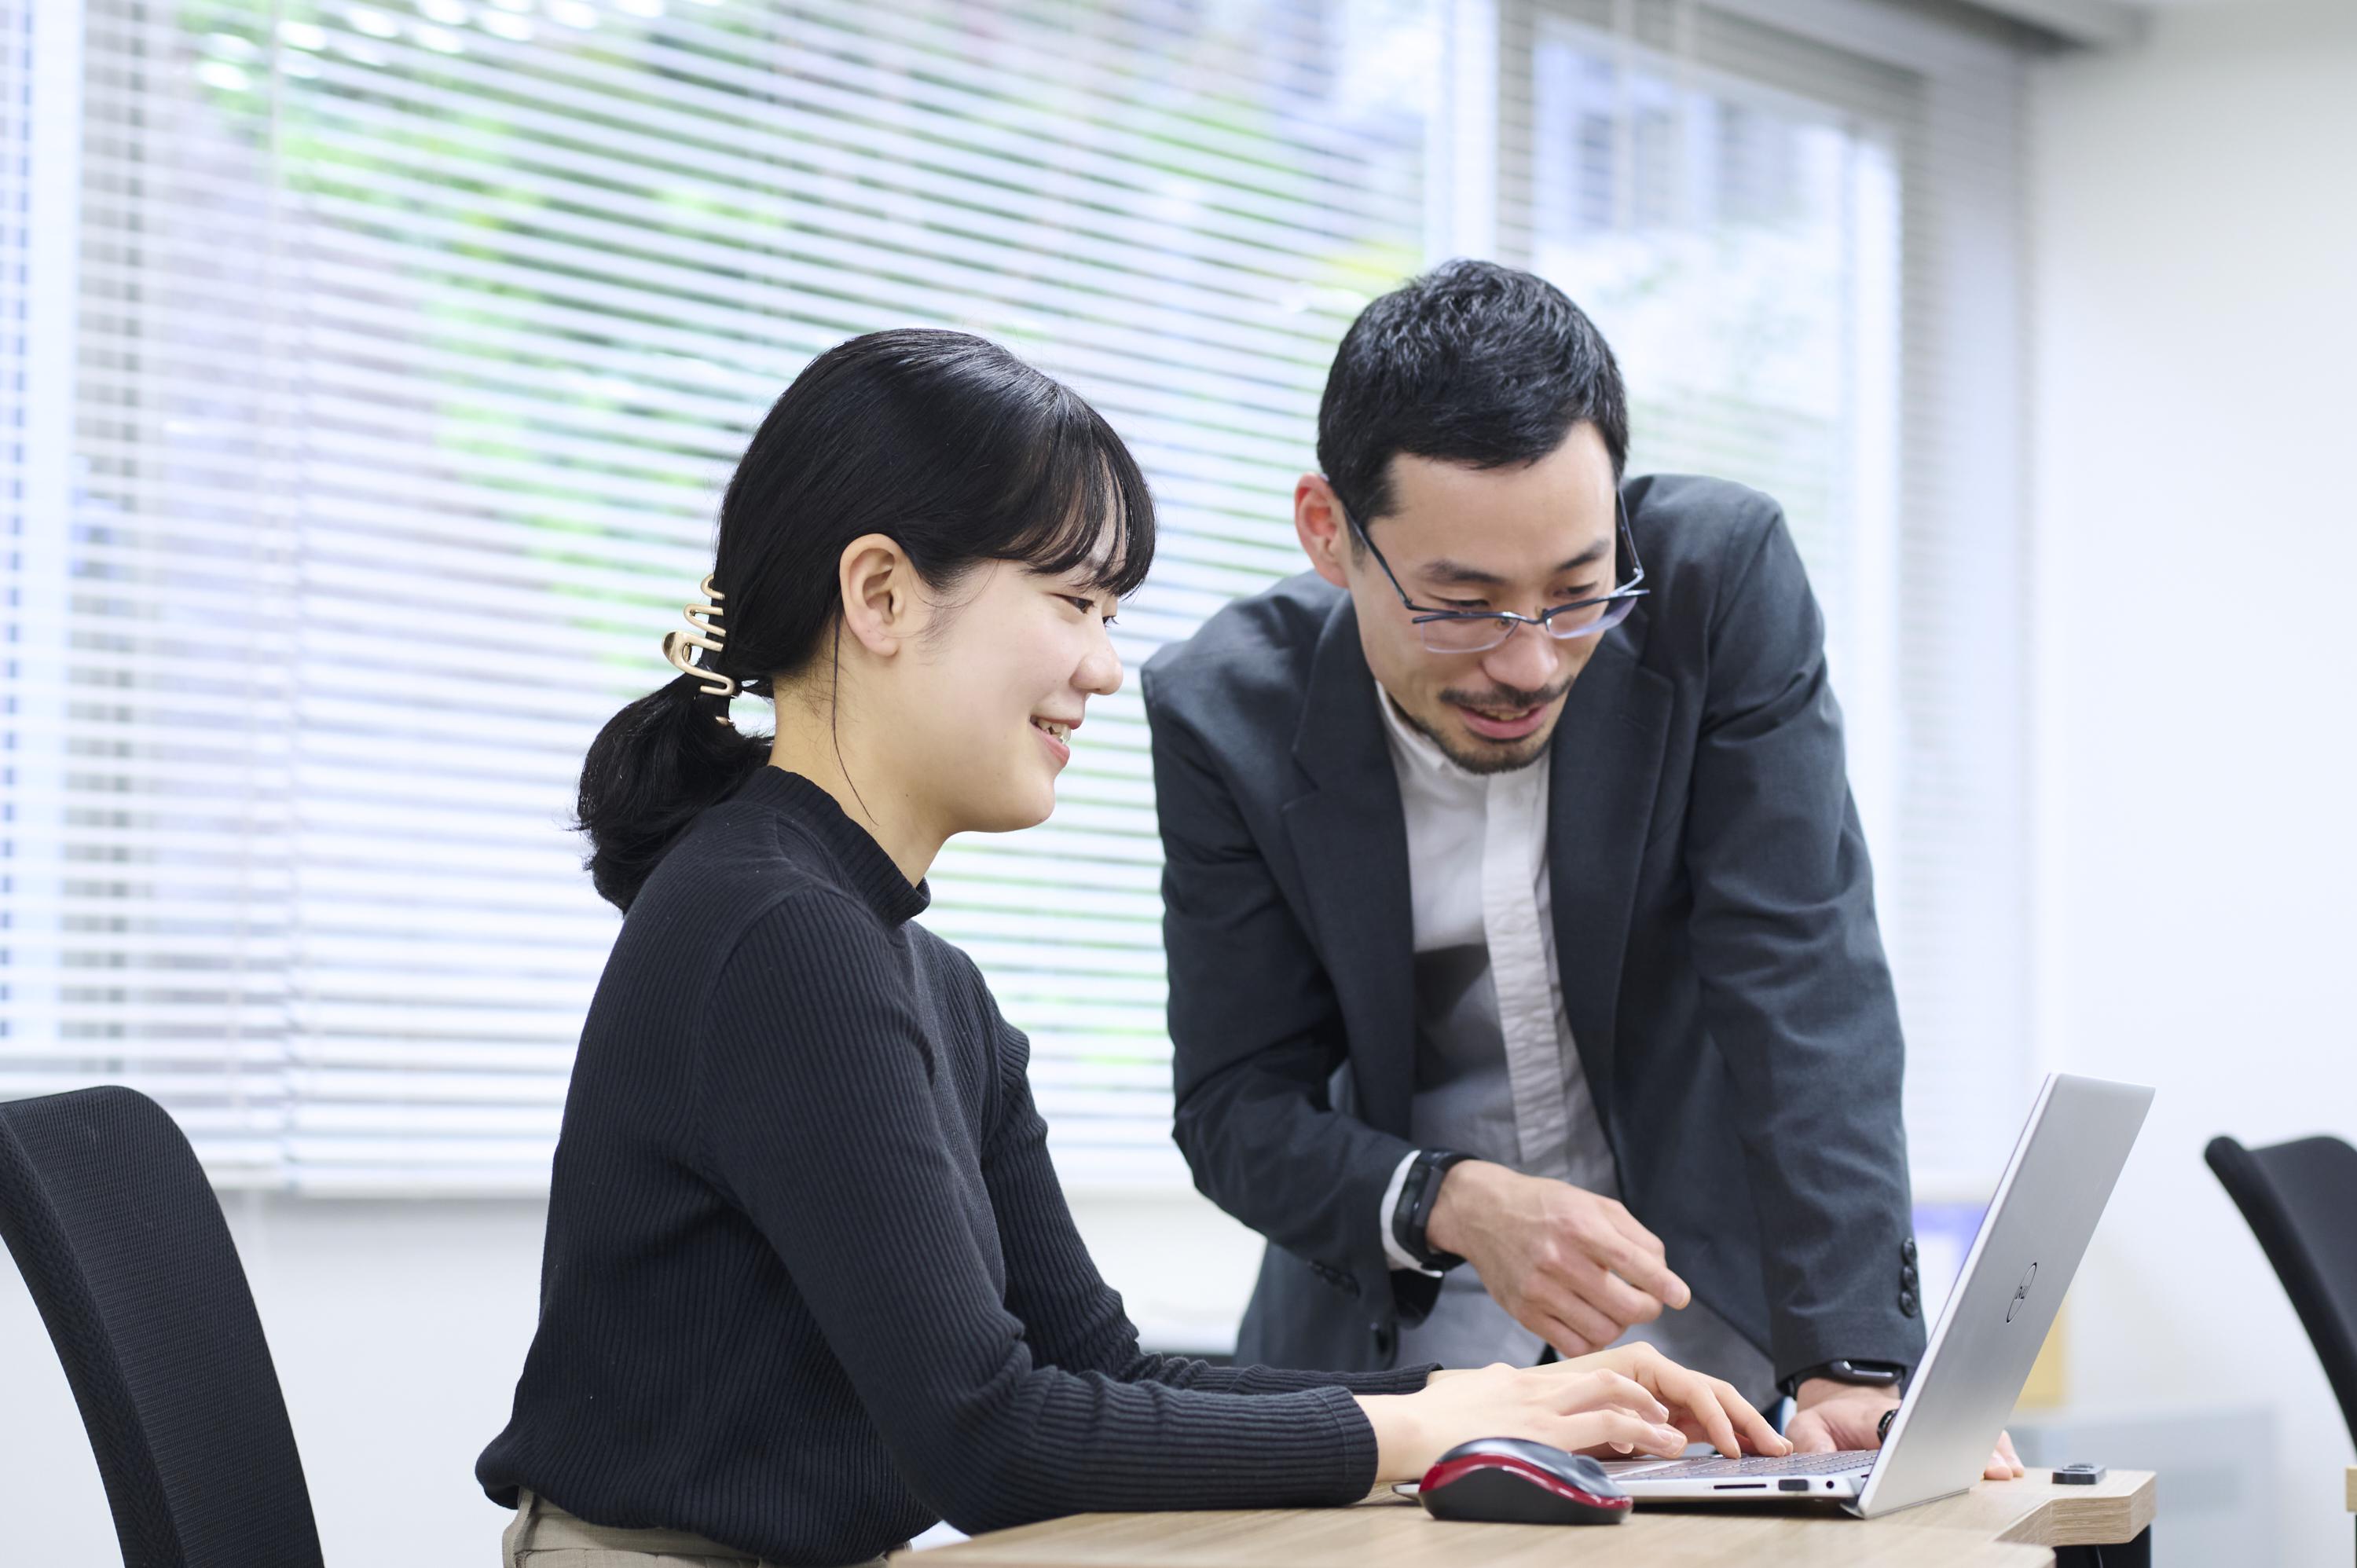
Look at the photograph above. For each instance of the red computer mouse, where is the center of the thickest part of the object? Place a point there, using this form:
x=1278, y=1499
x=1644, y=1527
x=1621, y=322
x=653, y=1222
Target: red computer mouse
x=1505, y=1480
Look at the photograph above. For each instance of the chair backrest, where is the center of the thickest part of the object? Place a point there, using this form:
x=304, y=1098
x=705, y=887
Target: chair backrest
x=2301, y=1199
x=121, y=1243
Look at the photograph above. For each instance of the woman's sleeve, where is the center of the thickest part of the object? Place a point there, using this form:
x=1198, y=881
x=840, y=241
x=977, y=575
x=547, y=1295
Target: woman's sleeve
x=1071, y=1317
x=818, y=1112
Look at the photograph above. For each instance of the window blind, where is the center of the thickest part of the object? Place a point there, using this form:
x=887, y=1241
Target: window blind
x=404, y=347
x=1789, y=244
x=16, y=141
x=414, y=342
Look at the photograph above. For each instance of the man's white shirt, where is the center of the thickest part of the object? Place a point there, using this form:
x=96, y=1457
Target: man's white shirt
x=1481, y=889
x=1478, y=876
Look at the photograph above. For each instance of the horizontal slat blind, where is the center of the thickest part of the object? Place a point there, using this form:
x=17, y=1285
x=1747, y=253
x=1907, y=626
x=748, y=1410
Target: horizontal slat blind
x=16, y=148
x=411, y=342
x=1763, y=224
x=415, y=341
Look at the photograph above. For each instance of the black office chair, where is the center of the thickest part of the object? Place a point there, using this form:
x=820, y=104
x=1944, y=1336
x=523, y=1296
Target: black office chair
x=2301, y=1199
x=122, y=1242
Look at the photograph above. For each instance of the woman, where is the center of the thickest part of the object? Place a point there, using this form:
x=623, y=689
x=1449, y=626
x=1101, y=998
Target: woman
x=810, y=1284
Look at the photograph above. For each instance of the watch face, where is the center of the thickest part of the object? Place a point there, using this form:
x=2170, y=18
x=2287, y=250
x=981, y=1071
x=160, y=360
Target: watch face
x=1866, y=1372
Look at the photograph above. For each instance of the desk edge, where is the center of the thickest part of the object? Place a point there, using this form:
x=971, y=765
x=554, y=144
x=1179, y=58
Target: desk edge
x=2101, y=1520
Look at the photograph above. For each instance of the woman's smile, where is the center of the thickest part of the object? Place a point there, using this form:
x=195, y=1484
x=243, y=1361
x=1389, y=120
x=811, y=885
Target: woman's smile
x=1058, y=733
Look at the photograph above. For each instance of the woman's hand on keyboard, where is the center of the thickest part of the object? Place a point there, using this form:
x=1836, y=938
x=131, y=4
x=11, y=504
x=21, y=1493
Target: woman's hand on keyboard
x=1705, y=1409
x=1591, y=1410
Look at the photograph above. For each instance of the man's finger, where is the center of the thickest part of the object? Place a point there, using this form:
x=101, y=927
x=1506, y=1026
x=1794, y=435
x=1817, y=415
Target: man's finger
x=1635, y=1254
x=1644, y=1240
x=1808, y=1434
x=1615, y=1298
x=1567, y=1308
x=1566, y=1341
x=1647, y=1273
x=1590, y=1240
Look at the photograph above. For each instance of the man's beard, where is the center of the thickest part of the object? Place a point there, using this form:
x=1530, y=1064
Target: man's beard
x=1494, y=757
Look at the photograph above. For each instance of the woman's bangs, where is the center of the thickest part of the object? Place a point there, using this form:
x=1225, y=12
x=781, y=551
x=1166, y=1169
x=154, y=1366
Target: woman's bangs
x=1090, y=510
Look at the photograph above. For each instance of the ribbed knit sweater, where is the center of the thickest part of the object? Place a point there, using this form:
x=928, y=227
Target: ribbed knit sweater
x=809, y=1284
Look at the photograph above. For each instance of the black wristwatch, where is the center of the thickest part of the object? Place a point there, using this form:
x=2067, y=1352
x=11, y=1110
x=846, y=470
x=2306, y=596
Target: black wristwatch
x=1845, y=1371
x=1414, y=1211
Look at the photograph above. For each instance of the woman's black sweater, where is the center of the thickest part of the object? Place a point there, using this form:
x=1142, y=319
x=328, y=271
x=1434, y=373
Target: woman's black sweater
x=809, y=1284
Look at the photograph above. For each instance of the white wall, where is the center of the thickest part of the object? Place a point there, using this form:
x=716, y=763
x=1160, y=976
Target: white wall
x=2194, y=335
x=398, y=1328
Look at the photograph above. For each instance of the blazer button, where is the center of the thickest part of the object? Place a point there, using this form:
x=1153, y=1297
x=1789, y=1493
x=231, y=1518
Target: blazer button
x=1907, y=1277
x=1908, y=1304
x=1907, y=1249
x=1386, y=1339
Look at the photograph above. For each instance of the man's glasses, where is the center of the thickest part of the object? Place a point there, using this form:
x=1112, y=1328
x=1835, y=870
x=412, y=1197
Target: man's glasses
x=1477, y=631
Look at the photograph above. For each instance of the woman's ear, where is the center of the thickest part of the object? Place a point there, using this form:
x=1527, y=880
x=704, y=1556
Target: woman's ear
x=878, y=582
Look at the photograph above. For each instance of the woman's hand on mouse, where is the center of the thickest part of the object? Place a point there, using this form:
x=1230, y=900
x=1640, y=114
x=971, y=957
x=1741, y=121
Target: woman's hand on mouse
x=1706, y=1409
x=1596, y=1410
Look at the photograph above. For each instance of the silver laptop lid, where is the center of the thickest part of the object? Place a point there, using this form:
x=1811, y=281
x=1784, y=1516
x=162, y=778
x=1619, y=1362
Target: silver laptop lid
x=2038, y=1224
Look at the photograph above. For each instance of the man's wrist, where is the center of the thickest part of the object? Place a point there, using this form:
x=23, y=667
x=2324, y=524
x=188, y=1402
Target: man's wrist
x=1847, y=1370
x=1451, y=1226
x=1412, y=1219
x=1817, y=1391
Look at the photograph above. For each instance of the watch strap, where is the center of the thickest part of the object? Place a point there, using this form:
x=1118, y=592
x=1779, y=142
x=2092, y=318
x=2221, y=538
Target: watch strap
x=1414, y=1211
x=1866, y=1374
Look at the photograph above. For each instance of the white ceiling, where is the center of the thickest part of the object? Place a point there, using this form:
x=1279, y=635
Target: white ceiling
x=2097, y=23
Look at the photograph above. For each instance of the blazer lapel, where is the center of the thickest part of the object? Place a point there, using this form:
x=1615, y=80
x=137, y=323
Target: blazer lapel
x=1350, y=840
x=1607, y=762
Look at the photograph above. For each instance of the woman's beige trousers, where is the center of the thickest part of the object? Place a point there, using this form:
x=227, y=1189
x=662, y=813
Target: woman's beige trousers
x=544, y=1536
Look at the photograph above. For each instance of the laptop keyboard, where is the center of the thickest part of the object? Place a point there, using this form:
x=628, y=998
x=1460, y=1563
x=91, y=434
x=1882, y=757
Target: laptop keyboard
x=1842, y=1463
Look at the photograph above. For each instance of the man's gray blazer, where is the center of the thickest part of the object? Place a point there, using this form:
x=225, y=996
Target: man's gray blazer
x=1714, y=921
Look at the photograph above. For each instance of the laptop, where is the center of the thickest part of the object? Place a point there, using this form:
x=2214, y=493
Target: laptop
x=2047, y=1203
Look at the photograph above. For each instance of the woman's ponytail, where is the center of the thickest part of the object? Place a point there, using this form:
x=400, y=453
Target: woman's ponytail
x=654, y=765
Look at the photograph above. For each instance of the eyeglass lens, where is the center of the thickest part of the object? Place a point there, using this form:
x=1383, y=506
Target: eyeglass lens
x=1477, y=634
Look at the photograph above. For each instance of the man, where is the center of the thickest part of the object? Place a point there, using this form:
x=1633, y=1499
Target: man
x=1524, y=980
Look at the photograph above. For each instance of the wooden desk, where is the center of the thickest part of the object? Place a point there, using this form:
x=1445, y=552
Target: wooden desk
x=2002, y=1524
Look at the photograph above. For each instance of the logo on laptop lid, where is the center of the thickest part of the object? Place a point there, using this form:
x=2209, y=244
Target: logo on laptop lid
x=2021, y=1293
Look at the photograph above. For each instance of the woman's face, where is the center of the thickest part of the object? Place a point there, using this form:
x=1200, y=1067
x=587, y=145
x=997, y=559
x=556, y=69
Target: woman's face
x=1003, y=672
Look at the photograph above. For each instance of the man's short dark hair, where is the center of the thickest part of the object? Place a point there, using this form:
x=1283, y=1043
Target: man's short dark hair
x=1471, y=363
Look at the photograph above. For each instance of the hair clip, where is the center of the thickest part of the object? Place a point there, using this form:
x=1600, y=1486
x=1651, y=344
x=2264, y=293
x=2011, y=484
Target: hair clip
x=708, y=636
